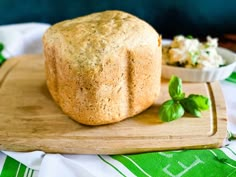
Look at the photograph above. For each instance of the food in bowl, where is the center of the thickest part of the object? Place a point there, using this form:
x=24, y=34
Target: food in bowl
x=193, y=61
x=103, y=67
x=188, y=52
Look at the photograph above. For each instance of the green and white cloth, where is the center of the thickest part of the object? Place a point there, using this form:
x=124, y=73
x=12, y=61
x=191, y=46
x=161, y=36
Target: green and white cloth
x=10, y=167
x=187, y=163
x=219, y=162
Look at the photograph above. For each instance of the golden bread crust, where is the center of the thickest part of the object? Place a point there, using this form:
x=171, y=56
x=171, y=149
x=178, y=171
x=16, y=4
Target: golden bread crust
x=104, y=67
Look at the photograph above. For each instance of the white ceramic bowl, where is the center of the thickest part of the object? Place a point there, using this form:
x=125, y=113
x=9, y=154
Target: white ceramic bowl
x=203, y=75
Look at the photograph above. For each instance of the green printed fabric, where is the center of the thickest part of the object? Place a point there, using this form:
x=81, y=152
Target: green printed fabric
x=183, y=163
x=13, y=168
x=232, y=77
x=186, y=163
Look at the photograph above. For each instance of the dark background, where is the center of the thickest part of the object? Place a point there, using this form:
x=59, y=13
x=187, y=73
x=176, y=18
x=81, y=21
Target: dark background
x=196, y=17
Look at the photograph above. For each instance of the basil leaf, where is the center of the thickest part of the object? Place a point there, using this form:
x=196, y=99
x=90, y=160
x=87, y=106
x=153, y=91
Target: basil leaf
x=175, y=88
x=1, y=47
x=196, y=112
x=170, y=110
x=189, y=37
x=190, y=106
x=2, y=58
x=194, y=57
x=203, y=103
x=231, y=136
x=175, y=108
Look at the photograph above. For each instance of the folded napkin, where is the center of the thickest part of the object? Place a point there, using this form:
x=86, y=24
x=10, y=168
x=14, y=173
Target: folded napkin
x=209, y=162
x=22, y=38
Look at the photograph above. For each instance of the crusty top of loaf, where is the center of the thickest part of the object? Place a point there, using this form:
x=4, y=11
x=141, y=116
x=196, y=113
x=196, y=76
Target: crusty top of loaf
x=92, y=38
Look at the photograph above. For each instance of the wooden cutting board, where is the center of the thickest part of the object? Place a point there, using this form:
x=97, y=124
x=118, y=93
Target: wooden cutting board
x=30, y=120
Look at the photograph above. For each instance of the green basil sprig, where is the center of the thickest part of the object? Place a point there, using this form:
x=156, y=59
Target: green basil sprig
x=2, y=58
x=179, y=104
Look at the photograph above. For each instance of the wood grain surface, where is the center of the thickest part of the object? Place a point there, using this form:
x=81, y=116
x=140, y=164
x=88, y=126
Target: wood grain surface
x=30, y=120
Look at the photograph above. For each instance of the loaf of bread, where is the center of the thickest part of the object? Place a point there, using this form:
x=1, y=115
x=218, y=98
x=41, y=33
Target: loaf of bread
x=103, y=67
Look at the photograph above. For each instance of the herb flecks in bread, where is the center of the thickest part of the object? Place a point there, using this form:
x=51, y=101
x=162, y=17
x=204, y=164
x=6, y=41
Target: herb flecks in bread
x=104, y=67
